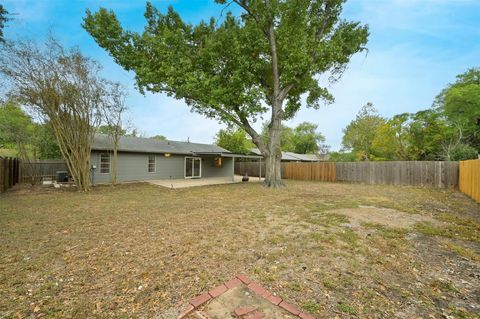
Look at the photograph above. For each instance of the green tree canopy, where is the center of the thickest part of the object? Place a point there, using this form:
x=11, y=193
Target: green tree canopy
x=29, y=139
x=360, y=133
x=460, y=102
x=425, y=135
x=342, y=156
x=46, y=143
x=286, y=137
x=108, y=129
x=302, y=139
x=307, y=139
x=238, y=69
x=16, y=127
x=234, y=140
x=159, y=137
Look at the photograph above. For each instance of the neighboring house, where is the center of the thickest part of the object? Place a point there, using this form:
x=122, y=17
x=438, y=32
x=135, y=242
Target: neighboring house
x=151, y=159
x=295, y=157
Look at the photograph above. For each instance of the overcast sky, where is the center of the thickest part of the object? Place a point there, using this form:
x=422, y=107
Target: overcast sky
x=416, y=48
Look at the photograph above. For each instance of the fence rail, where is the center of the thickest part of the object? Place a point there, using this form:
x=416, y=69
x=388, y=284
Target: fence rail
x=325, y=172
x=426, y=173
x=250, y=168
x=469, y=179
x=34, y=171
x=429, y=173
x=9, y=172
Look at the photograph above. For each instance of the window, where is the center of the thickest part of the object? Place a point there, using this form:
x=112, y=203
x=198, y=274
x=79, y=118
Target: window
x=193, y=167
x=104, y=163
x=151, y=163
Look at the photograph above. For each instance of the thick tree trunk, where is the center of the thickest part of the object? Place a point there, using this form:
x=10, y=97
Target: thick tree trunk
x=273, y=156
x=273, y=174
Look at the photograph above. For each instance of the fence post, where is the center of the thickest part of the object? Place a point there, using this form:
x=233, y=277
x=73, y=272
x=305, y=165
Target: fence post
x=9, y=172
x=2, y=175
x=5, y=174
x=15, y=171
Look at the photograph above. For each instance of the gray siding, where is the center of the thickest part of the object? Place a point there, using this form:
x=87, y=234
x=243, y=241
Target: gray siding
x=210, y=170
x=134, y=167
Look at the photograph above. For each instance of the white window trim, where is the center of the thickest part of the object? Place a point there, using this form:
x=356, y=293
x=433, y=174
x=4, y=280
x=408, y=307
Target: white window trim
x=109, y=162
x=154, y=164
x=185, y=167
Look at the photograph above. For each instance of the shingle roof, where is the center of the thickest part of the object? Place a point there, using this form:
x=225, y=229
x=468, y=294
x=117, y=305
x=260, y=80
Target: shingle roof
x=304, y=157
x=290, y=156
x=102, y=142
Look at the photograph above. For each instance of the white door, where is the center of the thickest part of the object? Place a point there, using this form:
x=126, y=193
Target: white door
x=193, y=167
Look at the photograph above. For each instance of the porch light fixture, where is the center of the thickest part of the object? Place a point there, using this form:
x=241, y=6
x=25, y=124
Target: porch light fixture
x=168, y=154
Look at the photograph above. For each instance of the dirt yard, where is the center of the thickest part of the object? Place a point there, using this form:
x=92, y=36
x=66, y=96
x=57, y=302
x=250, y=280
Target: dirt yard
x=335, y=250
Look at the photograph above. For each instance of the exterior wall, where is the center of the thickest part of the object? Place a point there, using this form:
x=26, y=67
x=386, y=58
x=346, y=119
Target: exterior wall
x=134, y=167
x=210, y=170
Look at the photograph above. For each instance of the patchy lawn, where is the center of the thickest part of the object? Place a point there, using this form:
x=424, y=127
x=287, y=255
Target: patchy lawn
x=336, y=250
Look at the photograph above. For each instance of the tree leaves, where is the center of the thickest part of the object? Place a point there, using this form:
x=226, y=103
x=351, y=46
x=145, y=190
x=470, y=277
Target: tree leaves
x=224, y=70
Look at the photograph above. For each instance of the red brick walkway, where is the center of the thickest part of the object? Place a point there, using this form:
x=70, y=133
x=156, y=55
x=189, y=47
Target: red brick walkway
x=243, y=312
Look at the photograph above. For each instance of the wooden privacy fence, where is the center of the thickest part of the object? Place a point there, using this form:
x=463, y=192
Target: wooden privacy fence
x=34, y=171
x=250, y=168
x=428, y=173
x=469, y=180
x=325, y=171
x=415, y=173
x=9, y=172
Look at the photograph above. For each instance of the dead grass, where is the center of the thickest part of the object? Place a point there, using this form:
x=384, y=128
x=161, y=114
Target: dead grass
x=138, y=250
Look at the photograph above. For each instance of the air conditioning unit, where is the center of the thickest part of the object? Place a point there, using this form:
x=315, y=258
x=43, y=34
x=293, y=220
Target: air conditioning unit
x=61, y=176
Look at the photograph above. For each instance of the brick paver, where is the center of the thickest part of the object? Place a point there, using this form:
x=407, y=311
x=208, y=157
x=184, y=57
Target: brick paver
x=217, y=291
x=198, y=301
x=244, y=279
x=254, y=315
x=241, y=311
x=290, y=308
x=247, y=312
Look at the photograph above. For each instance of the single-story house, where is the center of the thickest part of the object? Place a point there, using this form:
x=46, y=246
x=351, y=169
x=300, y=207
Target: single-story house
x=295, y=157
x=141, y=159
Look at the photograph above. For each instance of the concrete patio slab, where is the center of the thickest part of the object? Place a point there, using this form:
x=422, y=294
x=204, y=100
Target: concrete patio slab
x=193, y=182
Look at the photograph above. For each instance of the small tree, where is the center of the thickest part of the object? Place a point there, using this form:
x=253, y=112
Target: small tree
x=360, y=133
x=460, y=102
x=114, y=109
x=65, y=88
x=159, y=137
x=306, y=139
x=45, y=142
x=302, y=139
x=18, y=131
x=235, y=141
x=239, y=69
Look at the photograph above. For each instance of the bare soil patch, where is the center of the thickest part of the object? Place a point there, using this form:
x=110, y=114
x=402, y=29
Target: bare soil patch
x=383, y=216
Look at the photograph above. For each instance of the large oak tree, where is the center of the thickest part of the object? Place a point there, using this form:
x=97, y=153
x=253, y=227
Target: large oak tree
x=238, y=69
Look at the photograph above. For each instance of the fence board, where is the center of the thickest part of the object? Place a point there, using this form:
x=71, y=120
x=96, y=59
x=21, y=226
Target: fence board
x=9, y=173
x=250, y=168
x=425, y=173
x=469, y=179
x=35, y=171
